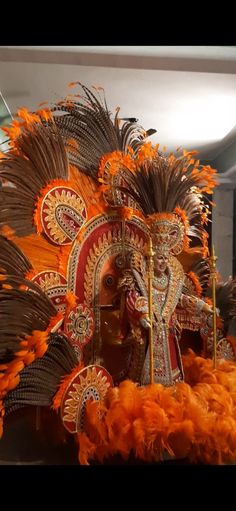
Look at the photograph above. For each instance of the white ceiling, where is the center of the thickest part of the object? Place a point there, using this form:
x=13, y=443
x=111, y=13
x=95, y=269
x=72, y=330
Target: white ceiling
x=192, y=109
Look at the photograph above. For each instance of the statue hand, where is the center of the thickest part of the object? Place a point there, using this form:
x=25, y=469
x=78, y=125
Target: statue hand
x=145, y=323
x=207, y=308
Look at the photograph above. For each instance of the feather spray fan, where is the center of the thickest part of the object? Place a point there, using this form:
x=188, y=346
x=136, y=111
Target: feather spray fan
x=39, y=381
x=12, y=260
x=24, y=308
x=162, y=184
x=89, y=132
x=37, y=158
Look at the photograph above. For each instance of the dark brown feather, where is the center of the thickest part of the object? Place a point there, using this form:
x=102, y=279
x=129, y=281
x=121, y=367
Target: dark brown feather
x=160, y=185
x=21, y=312
x=89, y=123
x=39, y=159
x=39, y=381
x=225, y=300
x=203, y=272
x=12, y=260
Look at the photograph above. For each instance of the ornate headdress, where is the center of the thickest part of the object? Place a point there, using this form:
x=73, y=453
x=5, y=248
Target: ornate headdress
x=52, y=171
x=168, y=191
x=86, y=187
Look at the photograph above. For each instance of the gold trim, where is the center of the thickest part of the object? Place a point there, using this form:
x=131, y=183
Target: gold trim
x=89, y=226
x=176, y=279
x=73, y=404
x=109, y=240
x=64, y=197
x=50, y=279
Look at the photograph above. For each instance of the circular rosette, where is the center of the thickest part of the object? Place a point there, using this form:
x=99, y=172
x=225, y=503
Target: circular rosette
x=91, y=383
x=55, y=286
x=63, y=213
x=79, y=327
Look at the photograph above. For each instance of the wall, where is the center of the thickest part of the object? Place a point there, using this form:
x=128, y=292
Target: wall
x=222, y=229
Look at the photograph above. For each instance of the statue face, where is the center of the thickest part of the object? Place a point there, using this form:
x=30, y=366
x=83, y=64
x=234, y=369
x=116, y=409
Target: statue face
x=160, y=263
x=168, y=232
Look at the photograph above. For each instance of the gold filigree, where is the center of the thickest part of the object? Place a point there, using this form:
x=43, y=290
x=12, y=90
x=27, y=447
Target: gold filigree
x=80, y=324
x=175, y=284
x=110, y=239
x=188, y=321
x=225, y=350
x=93, y=384
x=127, y=281
x=49, y=280
x=176, y=278
x=90, y=227
x=137, y=262
x=53, y=204
x=113, y=196
x=189, y=285
x=168, y=235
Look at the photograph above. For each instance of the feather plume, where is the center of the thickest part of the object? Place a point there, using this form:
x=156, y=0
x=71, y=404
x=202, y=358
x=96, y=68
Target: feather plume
x=198, y=278
x=23, y=308
x=162, y=184
x=12, y=260
x=39, y=381
x=38, y=157
x=88, y=123
x=226, y=301
x=186, y=420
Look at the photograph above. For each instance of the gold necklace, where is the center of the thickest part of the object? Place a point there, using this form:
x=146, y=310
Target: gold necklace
x=161, y=282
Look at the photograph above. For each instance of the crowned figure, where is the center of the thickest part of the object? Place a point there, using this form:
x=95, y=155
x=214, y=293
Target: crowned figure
x=105, y=282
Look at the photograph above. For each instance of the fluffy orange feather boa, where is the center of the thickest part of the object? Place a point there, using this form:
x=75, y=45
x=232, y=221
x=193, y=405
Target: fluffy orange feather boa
x=195, y=419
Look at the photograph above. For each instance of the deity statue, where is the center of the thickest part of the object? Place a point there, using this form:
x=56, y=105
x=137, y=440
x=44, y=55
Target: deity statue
x=104, y=270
